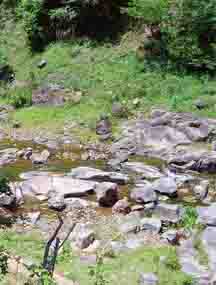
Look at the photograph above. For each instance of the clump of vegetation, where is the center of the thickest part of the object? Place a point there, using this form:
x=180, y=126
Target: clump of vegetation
x=189, y=220
x=20, y=97
x=189, y=33
x=3, y=262
x=4, y=184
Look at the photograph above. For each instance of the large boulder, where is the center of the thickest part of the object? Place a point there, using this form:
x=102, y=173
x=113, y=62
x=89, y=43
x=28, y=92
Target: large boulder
x=88, y=173
x=41, y=185
x=166, y=186
x=121, y=207
x=107, y=194
x=143, y=194
x=40, y=158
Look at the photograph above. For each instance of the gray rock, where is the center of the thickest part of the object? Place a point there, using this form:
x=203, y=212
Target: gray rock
x=171, y=236
x=67, y=186
x=201, y=190
x=103, y=126
x=82, y=236
x=150, y=224
x=209, y=243
x=107, y=194
x=169, y=212
x=42, y=64
x=146, y=171
x=200, y=104
x=207, y=215
x=148, y=279
x=8, y=156
x=40, y=158
x=130, y=224
x=88, y=173
x=121, y=207
x=56, y=201
x=166, y=186
x=143, y=194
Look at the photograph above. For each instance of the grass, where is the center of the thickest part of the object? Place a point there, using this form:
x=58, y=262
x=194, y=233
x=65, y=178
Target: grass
x=123, y=269
x=105, y=74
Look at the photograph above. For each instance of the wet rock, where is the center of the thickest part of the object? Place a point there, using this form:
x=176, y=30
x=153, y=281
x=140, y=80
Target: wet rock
x=121, y=207
x=107, y=194
x=169, y=212
x=166, y=186
x=146, y=171
x=150, y=224
x=103, y=126
x=201, y=190
x=148, y=279
x=207, y=215
x=69, y=187
x=88, y=173
x=143, y=194
x=82, y=236
x=56, y=201
x=40, y=158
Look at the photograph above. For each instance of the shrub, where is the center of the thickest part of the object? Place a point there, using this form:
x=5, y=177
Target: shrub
x=189, y=33
x=151, y=11
x=4, y=184
x=189, y=220
x=20, y=97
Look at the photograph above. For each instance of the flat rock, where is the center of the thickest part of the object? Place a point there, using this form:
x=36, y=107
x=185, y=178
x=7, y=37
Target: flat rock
x=67, y=186
x=207, y=215
x=146, y=171
x=150, y=224
x=166, y=186
x=88, y=173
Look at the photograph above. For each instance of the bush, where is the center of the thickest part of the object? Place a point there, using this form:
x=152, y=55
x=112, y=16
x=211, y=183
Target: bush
x=20, y=97
x=151, y=11
x=188, y=31
x=4, y=184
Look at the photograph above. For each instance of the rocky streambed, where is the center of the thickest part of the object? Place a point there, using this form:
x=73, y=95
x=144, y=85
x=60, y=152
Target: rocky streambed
x=135, y=189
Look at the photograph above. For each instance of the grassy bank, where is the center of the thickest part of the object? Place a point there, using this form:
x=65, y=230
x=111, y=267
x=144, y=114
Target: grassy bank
x=105, y=74
x=123, y=269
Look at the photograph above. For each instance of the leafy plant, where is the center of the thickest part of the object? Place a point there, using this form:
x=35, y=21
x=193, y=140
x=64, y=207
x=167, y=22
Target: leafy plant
x=4, y=184
x=3, y=262
x=189, y=220
x=151, y=11
x=97, y=272
x=189, y=33
x=20, y=97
